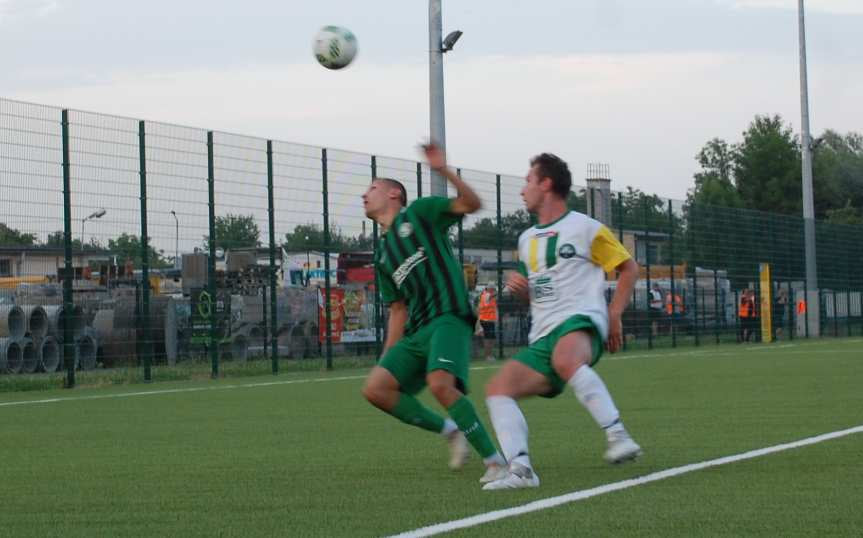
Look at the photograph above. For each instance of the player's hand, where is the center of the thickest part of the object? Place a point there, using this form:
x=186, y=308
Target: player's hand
x=518, y=285
x=615, y=333
x=435, y=156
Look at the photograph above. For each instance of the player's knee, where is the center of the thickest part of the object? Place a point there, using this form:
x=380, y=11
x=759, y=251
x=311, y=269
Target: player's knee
x=374, y=393
x=495, y=387
x=444, y=392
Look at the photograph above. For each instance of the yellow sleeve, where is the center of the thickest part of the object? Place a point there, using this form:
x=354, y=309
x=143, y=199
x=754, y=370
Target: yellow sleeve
x=606, y=251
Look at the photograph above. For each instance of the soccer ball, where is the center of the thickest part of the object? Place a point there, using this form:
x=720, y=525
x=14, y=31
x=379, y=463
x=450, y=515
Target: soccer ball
x=335, y=47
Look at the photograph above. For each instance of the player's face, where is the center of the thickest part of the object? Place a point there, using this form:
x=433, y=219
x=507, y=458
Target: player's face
x=532, y=192
x=376, y=198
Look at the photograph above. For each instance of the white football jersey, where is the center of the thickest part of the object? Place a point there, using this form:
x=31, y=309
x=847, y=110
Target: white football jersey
x=565, y=263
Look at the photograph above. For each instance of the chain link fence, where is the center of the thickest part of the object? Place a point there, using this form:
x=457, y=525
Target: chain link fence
x=156, y=248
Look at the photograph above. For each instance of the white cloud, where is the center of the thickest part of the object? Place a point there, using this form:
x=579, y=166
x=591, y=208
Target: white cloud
x=828, y=6
x=11, y=9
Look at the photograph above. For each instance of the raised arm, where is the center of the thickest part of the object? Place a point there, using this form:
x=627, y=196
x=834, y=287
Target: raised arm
x=467, y=200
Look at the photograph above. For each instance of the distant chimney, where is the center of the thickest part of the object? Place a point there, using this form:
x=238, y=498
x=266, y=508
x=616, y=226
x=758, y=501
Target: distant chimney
x=598, y=192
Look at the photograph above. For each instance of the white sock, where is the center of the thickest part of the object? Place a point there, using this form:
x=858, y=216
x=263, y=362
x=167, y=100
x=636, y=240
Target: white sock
x=448, y=427
x=594, y=396
x=511, y=428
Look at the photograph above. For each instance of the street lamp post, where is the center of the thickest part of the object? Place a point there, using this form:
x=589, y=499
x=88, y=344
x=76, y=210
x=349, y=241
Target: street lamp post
x=806, y=154
x=92, y=216
x=437, y=48
x=176, y=240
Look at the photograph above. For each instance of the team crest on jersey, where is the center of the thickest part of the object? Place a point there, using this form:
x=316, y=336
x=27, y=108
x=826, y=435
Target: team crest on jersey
x=566, y=251
x=406, y=229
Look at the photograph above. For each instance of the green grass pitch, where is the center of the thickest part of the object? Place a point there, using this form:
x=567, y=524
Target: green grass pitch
x=307, y=456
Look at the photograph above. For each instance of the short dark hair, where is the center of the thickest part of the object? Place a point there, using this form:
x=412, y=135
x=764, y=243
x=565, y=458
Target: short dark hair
x=403, y=193
x=553, y=167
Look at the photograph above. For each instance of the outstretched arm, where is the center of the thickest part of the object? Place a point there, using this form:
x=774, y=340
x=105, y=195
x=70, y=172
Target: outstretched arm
x=467, y=200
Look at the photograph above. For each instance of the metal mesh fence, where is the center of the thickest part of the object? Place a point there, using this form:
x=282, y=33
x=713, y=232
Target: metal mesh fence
x=139, y=245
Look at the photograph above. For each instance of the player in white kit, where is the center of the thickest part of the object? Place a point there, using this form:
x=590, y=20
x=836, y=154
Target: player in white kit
x=564, y=261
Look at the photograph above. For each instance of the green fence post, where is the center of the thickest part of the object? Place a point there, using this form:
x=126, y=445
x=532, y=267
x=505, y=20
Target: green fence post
x=716, y=304
x=499, y=332
x=327, y=288
x=647, y=277
x=790, y=313
x=377, y=306
x=211, y=260
x=695, y=305
x=835, y=314
x=274, y=303
x=68, y=303
x=145, y=258
x=419, y=180
x=620, y=239
x=674, y=308
x=806, y=308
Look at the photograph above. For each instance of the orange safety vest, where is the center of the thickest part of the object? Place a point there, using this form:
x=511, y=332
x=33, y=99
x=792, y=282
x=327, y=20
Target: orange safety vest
x=487, y=307
x=669, y=305
x=801, y=306
x=747, y=308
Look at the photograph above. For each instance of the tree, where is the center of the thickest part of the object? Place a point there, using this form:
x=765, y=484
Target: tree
x=483, y=234
x=311, y=237
x=235, y=231
x=128, y=247
x=58, y=240
x=767, y=169
x=12, y=237
x=714, y=183
x=846, y=215
x=838, y=171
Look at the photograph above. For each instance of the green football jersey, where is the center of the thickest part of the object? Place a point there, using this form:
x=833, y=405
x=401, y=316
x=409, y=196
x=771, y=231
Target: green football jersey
x=415, y=263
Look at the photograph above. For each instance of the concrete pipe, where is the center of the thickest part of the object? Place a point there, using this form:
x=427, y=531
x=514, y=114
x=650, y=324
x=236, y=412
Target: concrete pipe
x=235, y=349
x=48, y=355
x=13, y=324
x=10, y=356
x=55, y=322
x=61, y=352
x=37, y=321
x=86, y=352
x=29, y=360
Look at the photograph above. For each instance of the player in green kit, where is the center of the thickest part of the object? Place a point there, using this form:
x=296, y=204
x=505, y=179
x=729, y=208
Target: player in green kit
x=431, y=320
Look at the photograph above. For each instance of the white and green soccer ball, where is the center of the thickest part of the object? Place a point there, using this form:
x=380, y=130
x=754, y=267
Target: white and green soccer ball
x=335, y=47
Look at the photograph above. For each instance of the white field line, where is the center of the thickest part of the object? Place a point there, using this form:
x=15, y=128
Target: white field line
x=194, y=389
x=552, y=502
x=710, y=352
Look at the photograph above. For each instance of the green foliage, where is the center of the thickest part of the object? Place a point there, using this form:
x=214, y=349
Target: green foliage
x=235, y=231
x=311, y=237
x=10, y=237
x=766, y=167
x=128, y=247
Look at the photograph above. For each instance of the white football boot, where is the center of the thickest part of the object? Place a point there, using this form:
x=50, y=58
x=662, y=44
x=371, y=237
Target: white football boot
x=518, y=476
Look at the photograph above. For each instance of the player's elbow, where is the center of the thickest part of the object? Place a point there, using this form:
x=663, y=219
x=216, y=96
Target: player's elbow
x=629, y=267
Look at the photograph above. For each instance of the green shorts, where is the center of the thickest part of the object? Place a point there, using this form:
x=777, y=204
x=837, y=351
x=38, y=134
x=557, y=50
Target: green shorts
x=442, y=344
x=538, y=355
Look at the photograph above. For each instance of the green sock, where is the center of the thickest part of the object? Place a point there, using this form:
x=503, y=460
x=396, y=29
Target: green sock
x=464, y=414
x=410, y=411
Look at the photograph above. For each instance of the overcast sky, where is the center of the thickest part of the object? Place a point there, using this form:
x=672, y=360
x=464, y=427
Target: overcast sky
x=638, y=85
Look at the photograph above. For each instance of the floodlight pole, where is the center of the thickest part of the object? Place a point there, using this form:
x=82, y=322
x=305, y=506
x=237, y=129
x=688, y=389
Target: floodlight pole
x=806, y=152
x=436, y=101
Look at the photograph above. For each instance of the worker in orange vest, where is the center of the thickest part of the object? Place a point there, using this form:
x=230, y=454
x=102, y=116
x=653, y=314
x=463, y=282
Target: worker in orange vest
x=747, y=315
x=488, y=318
x=675, y=307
